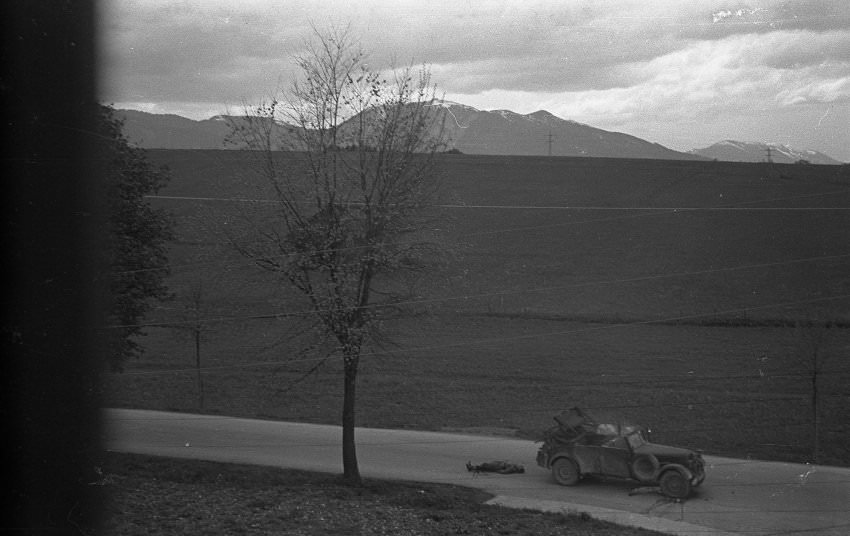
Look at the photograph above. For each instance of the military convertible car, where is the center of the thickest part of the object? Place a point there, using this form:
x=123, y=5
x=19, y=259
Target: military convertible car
x=578, y=446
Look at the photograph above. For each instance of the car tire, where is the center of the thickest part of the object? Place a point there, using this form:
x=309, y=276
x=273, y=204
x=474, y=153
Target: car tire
x=674, y=484
x=645, y=467
x=565, y=472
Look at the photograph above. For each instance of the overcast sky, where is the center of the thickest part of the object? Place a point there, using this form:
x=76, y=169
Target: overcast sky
x=683, y=73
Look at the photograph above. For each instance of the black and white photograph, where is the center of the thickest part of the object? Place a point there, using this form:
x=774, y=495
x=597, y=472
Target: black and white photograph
x=556, y=267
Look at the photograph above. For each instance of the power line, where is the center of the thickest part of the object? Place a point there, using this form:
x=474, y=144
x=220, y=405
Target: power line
x=494, y=340
x=502, y=293
x=657, y=211
x=538, y=407
x=426, y=301
x=665, y=209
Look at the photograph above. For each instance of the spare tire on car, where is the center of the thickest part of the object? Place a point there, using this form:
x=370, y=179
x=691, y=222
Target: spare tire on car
x=645, y=467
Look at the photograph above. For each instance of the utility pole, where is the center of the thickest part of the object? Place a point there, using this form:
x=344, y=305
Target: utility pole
x=549, y=140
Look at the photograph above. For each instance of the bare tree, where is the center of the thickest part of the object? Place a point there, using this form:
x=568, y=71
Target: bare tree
x=812, y=337
x=347, y=222
x=194, y=325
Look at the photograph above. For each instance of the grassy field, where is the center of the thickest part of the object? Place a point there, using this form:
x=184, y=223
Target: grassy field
x=686, y=296
x=146, y=495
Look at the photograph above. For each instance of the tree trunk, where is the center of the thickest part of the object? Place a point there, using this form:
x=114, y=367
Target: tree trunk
x=351, y=472
x=198, y=366
x=815, y=413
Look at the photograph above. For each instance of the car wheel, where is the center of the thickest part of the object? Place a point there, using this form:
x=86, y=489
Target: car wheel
x=645, y=468
x=674, y=484
x=565, y=472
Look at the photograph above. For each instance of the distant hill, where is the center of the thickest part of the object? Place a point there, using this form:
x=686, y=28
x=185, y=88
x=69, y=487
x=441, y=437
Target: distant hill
x=503, y=132
x=739, y=151
x=469, y=130
x=155, y=131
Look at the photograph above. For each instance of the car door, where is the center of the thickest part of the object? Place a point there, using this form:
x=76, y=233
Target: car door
x=614, y=456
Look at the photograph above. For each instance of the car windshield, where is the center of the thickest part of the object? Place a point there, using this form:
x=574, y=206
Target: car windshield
x=636, y=439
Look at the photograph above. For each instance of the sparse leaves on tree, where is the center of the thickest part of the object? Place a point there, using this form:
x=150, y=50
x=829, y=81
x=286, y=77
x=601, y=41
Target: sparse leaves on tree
x=348, y=209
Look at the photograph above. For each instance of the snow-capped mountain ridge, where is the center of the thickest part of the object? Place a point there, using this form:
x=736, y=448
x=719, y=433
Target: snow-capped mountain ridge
x=506, y=132
x=756, y=151
x=474, y=131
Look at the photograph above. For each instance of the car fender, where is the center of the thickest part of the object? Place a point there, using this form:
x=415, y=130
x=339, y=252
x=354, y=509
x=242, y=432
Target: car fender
x=569, y=456
x=558, y=455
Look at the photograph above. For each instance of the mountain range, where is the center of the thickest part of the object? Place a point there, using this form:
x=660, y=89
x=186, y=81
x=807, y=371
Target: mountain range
x=473, y=131
x=502, y=132
x=740, y=151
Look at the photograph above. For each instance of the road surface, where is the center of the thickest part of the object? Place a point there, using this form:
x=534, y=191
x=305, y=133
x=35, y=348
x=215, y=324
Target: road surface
x=738, y=497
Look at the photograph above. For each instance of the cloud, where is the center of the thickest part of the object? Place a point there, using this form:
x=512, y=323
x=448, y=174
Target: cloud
x=176, y=51
x=801, y=49
x=183, y=48
x=719, y=19
x=202, y=50
x=735, y=73
x=612, y=63
x=818, y=91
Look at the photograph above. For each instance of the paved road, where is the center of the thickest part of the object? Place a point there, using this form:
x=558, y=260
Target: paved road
x=738, y=497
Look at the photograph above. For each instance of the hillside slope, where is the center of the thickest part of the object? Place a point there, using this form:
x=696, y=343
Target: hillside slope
x=677, y=293
x=503, y=132
x=154, y=131
x=741, y=151
x=469, y=130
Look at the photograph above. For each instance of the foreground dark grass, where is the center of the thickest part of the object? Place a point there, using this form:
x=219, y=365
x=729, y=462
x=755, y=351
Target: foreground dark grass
x=150, y=495
x=741, y=392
